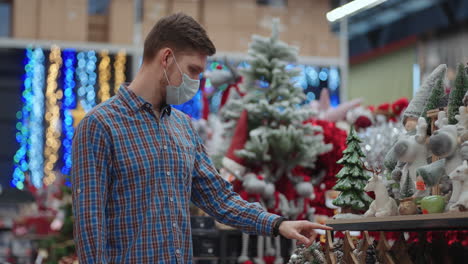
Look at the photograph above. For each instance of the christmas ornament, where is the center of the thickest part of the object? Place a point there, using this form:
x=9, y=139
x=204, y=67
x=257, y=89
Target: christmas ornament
x=412, y=150
x=457, y=94
x=377, y=140
x=383, y=205
x=433, y=204
x=438, y=99
x=352, y=178
x=309, y=255
x=460, y=174
x=444, y=144
x=418, y=103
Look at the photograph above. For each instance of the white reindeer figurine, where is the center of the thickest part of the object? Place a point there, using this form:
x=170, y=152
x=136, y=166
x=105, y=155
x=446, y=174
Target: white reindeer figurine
x=383, y=205
x=460, y=174
x=413, y=151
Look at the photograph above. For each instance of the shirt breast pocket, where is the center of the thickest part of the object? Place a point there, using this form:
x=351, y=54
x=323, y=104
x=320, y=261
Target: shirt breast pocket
x=185, y=159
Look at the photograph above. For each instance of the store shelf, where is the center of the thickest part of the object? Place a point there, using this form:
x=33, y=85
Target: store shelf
x=445, y=221
x=24, y=43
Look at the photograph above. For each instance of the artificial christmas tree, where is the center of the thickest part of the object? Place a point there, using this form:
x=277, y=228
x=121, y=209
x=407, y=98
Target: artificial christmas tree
x=418, y=103
x=352, y=178
x=279, y=140
x=457, y=94
x=436, y=100
x=408, y=187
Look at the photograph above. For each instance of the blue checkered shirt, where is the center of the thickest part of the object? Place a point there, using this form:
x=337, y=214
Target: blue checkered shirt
x=133, y=177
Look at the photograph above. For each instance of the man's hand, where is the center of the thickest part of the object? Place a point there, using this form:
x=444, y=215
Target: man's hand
x=302, y=231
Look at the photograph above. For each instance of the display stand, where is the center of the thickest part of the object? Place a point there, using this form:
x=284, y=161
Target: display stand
x=390, y=253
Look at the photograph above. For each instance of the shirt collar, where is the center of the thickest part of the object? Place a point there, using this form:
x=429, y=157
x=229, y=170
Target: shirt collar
x=137, y=103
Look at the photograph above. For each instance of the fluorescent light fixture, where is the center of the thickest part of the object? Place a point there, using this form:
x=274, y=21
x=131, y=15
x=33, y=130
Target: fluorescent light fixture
x=351, y=8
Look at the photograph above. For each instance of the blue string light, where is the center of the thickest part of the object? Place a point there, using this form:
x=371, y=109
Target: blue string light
x=192, y=107
x=334, y=79
x=323, y=75
x=87, y=77
x=69, y=103
x=20, y=158
x=36, y=128
x=310, y=79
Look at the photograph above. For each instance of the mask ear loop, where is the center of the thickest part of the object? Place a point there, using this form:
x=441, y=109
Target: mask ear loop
x=181, y=73
x=167, y=78
x=165, y=74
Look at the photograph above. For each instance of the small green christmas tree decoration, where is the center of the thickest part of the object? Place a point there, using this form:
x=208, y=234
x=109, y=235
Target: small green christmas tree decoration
x=408, y=188
x=352, y=178
x=457, y=94
x=436, y=100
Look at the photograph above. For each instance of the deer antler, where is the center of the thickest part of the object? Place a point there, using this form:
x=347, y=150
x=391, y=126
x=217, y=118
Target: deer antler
x=421, y=130
x=442, y=119
x=375, y=171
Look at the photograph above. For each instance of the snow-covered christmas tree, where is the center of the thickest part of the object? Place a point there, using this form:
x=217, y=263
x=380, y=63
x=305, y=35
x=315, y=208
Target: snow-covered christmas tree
x=278, y=140
x=352, y=177
x=457, y=94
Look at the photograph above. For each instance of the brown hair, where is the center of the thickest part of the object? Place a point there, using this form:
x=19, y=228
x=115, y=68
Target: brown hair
x=179, y=32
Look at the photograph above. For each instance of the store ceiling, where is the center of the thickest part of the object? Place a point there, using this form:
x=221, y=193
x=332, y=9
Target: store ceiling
x=394, y=20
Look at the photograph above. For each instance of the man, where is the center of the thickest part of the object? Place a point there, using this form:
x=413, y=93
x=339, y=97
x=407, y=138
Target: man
x=137, y=163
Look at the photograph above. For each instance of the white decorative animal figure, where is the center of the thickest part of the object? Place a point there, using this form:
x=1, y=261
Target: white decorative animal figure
x=412, y=150
x=460, y=174
x=445, y=144
x=383, y=205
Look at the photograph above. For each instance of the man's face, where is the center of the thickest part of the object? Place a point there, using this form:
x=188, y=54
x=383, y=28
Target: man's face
x=191, y=63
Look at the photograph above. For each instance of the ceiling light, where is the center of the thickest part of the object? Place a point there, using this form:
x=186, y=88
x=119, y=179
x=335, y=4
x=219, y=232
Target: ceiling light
x=351, y=8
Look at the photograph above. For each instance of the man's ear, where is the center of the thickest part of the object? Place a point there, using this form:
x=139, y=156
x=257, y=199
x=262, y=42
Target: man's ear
x=165, y=56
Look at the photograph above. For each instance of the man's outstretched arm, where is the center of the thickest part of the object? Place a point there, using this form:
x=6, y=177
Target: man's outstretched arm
x=215, y=196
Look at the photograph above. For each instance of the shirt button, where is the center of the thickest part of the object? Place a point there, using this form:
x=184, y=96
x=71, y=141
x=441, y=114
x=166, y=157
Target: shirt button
x=168, y=173
x=177, y=251
x=78, y=190
x=165, y=147
x=171, y=199
x=174, y=225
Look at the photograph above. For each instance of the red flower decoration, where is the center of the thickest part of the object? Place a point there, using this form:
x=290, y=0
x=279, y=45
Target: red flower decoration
x=362, y=122
x=399, y=105
x=384, y=107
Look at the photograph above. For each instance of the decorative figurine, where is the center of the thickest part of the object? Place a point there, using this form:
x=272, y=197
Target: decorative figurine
x=445, y=144
x=412, y=150
x=460, y=174
x=383, y=205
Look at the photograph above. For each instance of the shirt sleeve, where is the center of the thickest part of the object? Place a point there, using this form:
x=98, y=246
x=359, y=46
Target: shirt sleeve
x=89, y=177
x=216, y=197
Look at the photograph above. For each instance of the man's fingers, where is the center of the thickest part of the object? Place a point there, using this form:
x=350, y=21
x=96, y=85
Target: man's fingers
x=302, y=239
x=313, y=237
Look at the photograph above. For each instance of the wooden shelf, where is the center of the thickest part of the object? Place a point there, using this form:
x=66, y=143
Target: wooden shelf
x=445, y=221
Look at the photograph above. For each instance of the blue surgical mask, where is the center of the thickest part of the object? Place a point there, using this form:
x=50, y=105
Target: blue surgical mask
x=177, y=95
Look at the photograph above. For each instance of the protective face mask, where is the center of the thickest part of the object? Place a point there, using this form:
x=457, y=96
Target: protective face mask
x=177, y=95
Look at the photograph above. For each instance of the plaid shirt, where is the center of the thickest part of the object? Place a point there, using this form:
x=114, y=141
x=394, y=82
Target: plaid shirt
x=133, y=177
